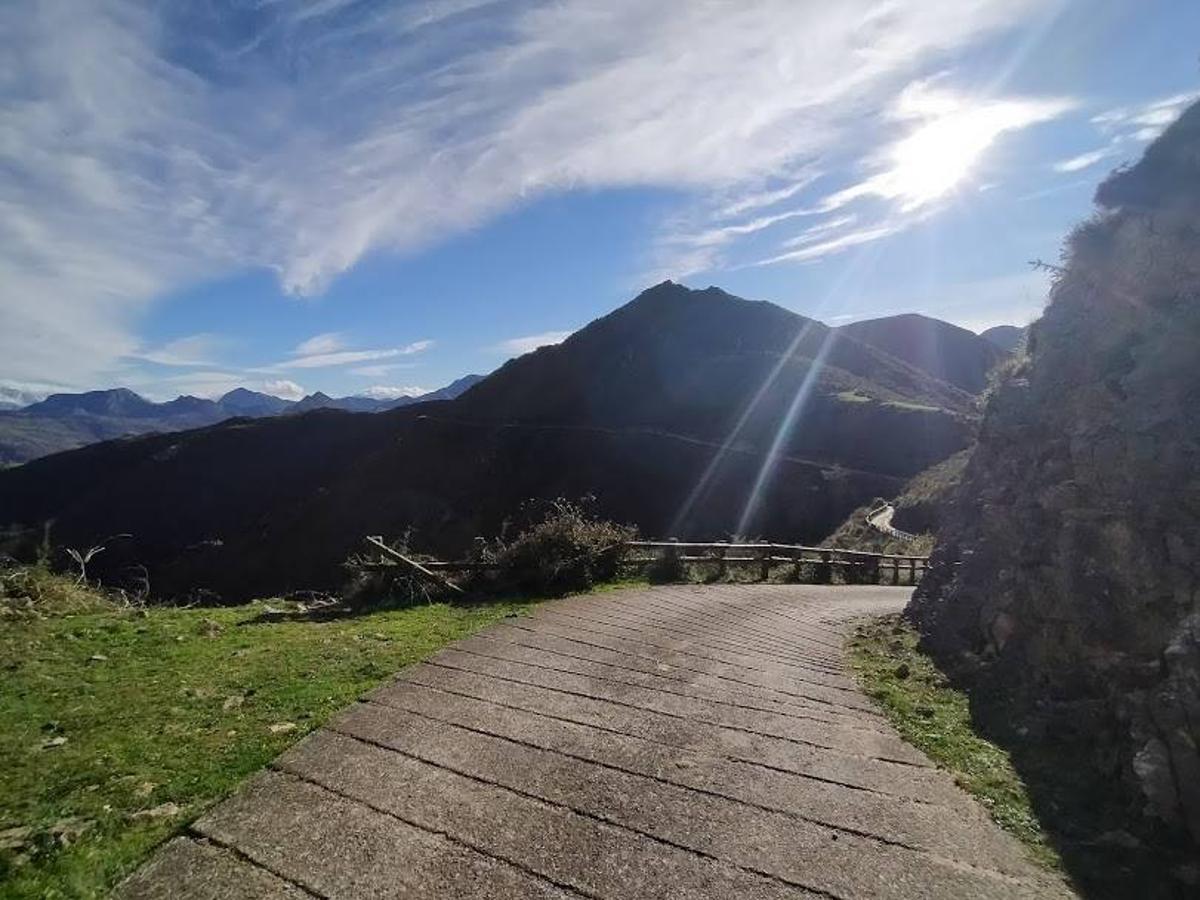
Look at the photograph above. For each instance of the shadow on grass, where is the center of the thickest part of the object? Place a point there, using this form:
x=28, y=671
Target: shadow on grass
x=1107, y=847
x=331, y=608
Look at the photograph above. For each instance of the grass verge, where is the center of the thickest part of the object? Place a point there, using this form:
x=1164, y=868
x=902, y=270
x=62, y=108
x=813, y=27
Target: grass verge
x=936, y=719
x=120, y=725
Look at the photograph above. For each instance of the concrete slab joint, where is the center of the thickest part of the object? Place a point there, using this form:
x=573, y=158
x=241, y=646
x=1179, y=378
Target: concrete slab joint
x=667, y=742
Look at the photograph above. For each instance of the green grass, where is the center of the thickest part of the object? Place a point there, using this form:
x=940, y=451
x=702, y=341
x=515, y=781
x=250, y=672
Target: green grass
x=120, y=726
x=936, y=718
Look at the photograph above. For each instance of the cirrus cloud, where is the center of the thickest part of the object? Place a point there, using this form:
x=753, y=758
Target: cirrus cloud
x=519, y=346
x=300, y=138
x=392, y=392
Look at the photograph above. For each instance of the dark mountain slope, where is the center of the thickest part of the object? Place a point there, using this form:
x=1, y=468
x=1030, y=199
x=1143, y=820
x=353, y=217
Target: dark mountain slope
x=634, y=409
x=690, y=362
x=1007, y=337
x=947, y=352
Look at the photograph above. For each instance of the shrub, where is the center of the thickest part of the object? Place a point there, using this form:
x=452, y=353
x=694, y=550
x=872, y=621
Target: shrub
x=564, y=548
x=397, y=586
x=33, y=591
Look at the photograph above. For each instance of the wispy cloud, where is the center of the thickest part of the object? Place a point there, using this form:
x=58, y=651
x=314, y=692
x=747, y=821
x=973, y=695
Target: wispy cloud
x=329, y=342
x=948, y=134
x=951, y=134
x=392, y=392
x=1083, y=160
x=331, y=358
x=339, y=128
x=520, y=345
x=193, y=350
x=818, y=232
x=1146, y=121
x=18, y=395
x=284, y=389
x=820, y=248
x=726, y=233
x=381, y=370
x=751, y=199
x=1126, y=128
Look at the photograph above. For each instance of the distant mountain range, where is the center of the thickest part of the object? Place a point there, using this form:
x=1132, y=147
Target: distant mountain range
x=689, y=413
x=66, y=421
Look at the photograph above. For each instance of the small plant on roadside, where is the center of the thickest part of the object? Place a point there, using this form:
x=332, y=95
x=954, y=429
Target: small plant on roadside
x=374, y=586
x=34, y=591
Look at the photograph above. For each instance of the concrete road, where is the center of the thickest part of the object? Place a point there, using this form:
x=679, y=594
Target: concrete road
x=667, y=742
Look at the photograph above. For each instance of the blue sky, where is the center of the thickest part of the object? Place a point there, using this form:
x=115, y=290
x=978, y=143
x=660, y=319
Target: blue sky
x=364, y=197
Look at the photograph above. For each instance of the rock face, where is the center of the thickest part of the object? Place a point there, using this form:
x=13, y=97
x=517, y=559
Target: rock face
x=1066, y=578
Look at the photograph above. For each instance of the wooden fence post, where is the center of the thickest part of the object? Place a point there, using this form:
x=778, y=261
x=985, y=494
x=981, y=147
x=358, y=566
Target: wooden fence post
x=912, y=570
x=764, y=571
x=797, y=556
x=825, y=569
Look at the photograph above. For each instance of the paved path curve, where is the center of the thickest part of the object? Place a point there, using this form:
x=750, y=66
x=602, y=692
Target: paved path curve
x=881, y=520
x=668, y=742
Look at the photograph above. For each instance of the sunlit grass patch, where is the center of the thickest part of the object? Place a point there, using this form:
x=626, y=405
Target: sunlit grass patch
x=936, y=718
x=120, y=725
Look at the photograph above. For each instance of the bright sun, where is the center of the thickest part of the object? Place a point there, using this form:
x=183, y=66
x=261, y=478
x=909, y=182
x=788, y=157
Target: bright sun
x=940, y=154
x=936, y=157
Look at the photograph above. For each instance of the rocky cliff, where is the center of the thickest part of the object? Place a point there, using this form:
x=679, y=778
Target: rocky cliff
x=1065, y=583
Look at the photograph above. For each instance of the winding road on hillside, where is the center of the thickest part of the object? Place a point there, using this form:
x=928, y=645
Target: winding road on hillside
x=666, y=742
x=881, y=520
x=643, y=431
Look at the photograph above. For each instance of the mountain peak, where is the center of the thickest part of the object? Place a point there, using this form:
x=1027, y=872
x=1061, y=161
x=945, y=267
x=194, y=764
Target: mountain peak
x=245, y=402
x=946, y=351
x=1006, y=337
x=115, y=402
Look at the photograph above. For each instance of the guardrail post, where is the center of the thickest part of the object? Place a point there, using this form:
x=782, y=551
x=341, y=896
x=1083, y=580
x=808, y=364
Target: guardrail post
x=912, y=570
x=722, y=565
x=895, y=570
x=797, y=556
x=764, y=569
x=671, y=557
x=825, y=569
x=869, y=570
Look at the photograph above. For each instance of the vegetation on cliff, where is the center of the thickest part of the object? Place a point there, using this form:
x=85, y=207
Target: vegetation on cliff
x=1066, y=582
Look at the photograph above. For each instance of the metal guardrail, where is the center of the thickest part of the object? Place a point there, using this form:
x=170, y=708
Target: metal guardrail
x=858, y=565
x=863, y=566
